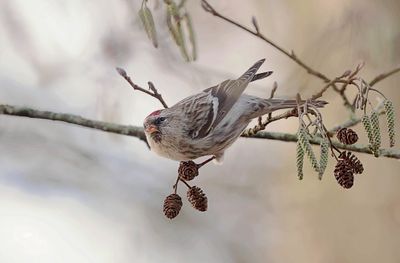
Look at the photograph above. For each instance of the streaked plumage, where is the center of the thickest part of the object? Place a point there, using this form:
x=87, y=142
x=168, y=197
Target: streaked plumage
x=209, y=122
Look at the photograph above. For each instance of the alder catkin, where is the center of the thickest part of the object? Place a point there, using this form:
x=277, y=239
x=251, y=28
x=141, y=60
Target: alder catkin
x=148, y=22
x=299, y=160
x=390, y=117
x=376, y=133
x=368, y=129
x=306, y=145
x=323, y=161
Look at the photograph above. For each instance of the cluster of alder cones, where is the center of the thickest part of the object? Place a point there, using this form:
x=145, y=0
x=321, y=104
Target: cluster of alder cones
x=348, y=164
x=173, y=203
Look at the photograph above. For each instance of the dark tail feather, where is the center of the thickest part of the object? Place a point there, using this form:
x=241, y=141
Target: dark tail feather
x=261, y=75
x=318, y=103
x=270, y=105
x=277, y=104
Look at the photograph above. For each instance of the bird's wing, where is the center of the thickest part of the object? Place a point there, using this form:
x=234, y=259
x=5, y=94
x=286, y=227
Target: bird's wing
x=228, y=92
x=207, y=109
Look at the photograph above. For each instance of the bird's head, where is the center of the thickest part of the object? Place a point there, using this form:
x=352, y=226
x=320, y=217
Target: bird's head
x=154, y=125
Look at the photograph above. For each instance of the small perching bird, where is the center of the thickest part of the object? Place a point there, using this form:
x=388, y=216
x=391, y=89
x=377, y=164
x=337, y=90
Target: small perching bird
x=209, y=122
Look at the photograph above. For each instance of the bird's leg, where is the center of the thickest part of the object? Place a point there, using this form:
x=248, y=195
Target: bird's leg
x=188, y=186
x=175, y=186
x=188, y=171
x=199, y=165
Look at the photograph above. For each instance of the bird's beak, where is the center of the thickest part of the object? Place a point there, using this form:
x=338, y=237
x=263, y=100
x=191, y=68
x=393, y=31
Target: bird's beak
x=150, y=129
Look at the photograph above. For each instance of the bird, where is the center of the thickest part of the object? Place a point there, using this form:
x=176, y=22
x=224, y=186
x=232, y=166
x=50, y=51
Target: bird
x=209, y=122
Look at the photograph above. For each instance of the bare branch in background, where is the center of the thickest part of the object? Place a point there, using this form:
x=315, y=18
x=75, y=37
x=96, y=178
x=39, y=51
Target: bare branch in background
x=153, y=91
x=383, y=76
x=207, y=7
x=331, y=82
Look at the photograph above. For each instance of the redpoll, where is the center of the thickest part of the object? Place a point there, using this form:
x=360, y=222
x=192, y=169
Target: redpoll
x=209, y=122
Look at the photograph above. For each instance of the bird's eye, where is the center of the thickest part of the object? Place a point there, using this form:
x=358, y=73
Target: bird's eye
x=159, y=120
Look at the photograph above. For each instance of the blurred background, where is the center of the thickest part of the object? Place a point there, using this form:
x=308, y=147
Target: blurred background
x=71, y=194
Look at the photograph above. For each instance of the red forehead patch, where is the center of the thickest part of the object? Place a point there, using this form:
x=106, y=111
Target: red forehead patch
x=155, y=113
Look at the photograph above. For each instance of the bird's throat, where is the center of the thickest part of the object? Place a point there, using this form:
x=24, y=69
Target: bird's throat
x=156, y=137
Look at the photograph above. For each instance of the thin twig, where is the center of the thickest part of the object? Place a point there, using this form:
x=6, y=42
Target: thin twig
x=259, y=127
x=199, y=165
x=321, y=92
x=274, y=88
x=353, y=120
x=383, y=76
x=256, y=32
x=207, y=7
x=183, y=181
x=175, y=186
x=346, y=101
x=153, y=91
x=73, y=119
x=139, y=132
x=350, y=75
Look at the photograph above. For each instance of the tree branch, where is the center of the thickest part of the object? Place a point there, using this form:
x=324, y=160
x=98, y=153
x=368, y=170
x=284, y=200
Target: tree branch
x=287, y=137
x=384, y=76
x=74, y=119
x=139, y=133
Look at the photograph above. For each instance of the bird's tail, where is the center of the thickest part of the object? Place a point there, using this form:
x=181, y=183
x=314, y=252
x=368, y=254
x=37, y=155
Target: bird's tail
x=269, y=105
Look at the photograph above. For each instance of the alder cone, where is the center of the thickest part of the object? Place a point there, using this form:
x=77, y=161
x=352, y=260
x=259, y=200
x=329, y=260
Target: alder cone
x=188, y=170
x=172, y=205
x=347, y=136
x=197, y=198
x=353, y=161
x=344, y=174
